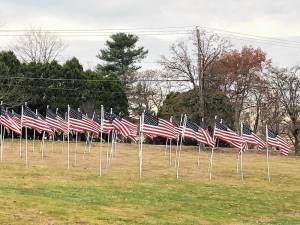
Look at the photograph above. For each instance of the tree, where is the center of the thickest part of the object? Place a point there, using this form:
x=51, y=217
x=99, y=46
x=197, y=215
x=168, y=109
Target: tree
x=120, y=56
x=145, y=94
x=186, y=102
x=286, y=84
x=208, y=48
x=11, y=90
x=38, y=46
x=237, y=74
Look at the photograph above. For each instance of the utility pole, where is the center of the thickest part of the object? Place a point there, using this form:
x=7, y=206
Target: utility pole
x=200, y=75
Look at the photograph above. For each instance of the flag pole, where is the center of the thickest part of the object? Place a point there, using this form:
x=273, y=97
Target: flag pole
x=141, y=144
x=101, y=133
x=241, y=155
x=107, y=150
x=52, y=144
x=170, y=153
x=33, y=140
x=177, y=144
x=75, y=151
x=180, y=146
x=1, y=148
x=26, y=144
x=200, y=145
x=43, y=145
x=268, y=163
x=170, y=147
x=199, y=151
x=21, y=132
x=1, y=134
x=212, y=154
x=68, y=123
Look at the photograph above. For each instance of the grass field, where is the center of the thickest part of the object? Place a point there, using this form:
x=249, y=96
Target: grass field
x=48, y=193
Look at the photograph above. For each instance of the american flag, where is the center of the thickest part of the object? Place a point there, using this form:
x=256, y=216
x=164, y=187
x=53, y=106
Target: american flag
x=107, y=122
x=154, y=126
x=63, y=122
x=177, y=128
x=7, y=122
x=197, y=133
x=222, y=132
x=29, y=119
x=90, y=125
x=16, y=117
x=53, y=122
x=75, y=120
x=276, y=140
x=126, y=128
x=251, y=138
x=43, y=125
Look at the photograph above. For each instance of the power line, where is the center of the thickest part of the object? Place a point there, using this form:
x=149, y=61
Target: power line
x=89, y=80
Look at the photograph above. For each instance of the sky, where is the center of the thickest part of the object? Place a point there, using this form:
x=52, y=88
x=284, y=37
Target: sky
x=251, y=23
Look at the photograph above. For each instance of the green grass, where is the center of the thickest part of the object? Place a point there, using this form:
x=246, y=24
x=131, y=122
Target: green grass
x=47, y=193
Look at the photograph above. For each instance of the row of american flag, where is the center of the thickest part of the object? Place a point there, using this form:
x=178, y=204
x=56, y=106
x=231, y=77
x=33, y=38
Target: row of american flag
x=151, y=126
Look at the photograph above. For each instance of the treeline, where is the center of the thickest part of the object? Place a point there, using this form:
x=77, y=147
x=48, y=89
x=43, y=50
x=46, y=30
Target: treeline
x=204, y=79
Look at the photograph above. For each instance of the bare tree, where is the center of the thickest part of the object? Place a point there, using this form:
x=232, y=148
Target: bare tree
x=286, y=82
x=146, y=93
x=208, y=47
x=37, y=45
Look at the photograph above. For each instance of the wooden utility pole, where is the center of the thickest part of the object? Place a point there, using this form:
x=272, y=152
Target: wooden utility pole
x=200, y=75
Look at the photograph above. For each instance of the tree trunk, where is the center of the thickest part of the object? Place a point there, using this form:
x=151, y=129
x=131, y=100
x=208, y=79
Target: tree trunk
x=296, y=143
x=256, y=118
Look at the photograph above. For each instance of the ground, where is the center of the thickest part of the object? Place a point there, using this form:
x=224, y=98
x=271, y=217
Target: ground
x=46, y=192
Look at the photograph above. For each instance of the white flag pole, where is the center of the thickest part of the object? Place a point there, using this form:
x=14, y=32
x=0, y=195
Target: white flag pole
x=238, y=162
x=26, y=145
x=101, y=133
x=1, y=147
x=200, y=145
x=180, y=146
x=170, y=147
x=141, y=144
x=75, y=151
x=33, y=140
x=268, y=163
x=199, y=151
x=1, y=135
x=52, y=145
x=68, y=123
x=212, y=153
x=241, y=156
x=177, y=143
x=43, y=145
x=21, y=132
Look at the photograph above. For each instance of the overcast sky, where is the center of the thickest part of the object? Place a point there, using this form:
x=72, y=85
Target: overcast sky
x=269, y=18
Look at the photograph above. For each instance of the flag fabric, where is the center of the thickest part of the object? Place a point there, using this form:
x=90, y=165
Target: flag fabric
x=155, y=126
x=15, y=121
x=177, y=128
x=75, y=121
x=63, y=123
x=53, y=121
x=7, y=122
x=222, y=132
x=30, y=120
x=107, y=122
x=251, y=138
x=126, y=128
x=89, y=125
x=193, y=131
x=276, y=140
x=16, y=117
x=43, y=125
